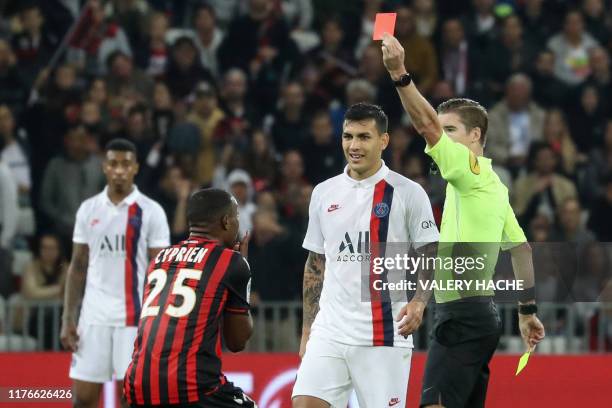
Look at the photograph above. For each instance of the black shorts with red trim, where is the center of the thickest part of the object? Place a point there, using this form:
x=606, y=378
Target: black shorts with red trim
x=464, y=338
x=228, y=396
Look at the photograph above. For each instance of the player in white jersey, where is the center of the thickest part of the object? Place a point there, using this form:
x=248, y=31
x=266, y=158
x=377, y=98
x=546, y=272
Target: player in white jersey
x=354, y=343
x=116, y=233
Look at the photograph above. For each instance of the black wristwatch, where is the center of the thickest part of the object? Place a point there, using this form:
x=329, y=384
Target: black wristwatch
x=404, y=80
x=528, y=309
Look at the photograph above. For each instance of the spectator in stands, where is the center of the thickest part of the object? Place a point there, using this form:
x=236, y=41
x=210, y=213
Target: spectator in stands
x=571, y=48
x=8, y=206
x=68, y=180
x=240, y=115
x=34, y=45
x=185, y=68
x=372, y=69
x=298, y=222
x=598, y=166
x=367, y=17
x=357, y=90
x=152, y=56
x=595, y=20
x=266, y=49
x=124, y=78
x=507, y=55
x=271, y=251
x=289, y=123
x=43, y=278
x=325, y=158
x=425, y=17
x=571, y=227
x=420, y=59
x=163, y=113
x=479, y=23
x=208, y=37
x=542, y=190
x=556, y=134
x=593, y=273
x=588, y=119
x=226, y=10
x=260, y=162
x=457, y=58
x=514, y=123
x=240, y=185
x=601, y=78
x=334, y=57
x=206, y=115
x=538, y=22
x=172, y=194
x=600, y=221
x=549, y=90
x=98, y=94
x=540, y=229
x=138, y=131
x=95, y=38
x=290, y=181
x=13, y=90
x=13, y=154
x=402, y=143
x=8, y=226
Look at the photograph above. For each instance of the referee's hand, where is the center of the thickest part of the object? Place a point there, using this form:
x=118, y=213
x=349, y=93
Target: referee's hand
x=410, y=318
x=532, y=330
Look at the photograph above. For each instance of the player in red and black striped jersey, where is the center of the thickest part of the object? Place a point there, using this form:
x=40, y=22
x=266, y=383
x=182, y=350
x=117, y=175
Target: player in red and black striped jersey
x=195, y=290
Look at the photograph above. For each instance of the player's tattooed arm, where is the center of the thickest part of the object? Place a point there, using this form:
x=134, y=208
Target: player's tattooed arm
x=314, y=272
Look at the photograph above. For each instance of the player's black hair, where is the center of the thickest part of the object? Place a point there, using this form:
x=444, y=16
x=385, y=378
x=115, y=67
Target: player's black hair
x=472, y=114
x=363, y=111
x=120, y=145
x=208, y=205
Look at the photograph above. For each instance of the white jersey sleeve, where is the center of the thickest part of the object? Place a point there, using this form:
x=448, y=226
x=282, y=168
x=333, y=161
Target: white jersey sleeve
x=313, y=241
x=80, y=225
x=159, y=232
x=421, y=226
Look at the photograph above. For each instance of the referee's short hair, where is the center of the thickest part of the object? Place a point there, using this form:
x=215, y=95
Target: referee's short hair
x=208, y=205
x=364, y=111
x=121, y=145
x=472, y=114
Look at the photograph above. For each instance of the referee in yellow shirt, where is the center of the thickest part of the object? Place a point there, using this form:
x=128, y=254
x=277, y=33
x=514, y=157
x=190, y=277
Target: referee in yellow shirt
x=476, y=210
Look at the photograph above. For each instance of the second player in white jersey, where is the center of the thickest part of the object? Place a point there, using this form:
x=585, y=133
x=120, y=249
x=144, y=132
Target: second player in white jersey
x=119, y=237
x=115, y=234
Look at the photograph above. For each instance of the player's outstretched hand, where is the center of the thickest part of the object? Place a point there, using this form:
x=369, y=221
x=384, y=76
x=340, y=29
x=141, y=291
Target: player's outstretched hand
x=532, y=330
x=243, y=245
x=393, y=55
x=410, y=318
x=69, y=336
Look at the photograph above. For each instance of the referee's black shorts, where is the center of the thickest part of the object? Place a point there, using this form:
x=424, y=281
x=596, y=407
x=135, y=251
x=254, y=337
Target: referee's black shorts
x=464, y=338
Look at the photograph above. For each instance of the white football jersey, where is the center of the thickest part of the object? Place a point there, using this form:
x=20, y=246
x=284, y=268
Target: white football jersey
x=118, y=237
x=347, y=217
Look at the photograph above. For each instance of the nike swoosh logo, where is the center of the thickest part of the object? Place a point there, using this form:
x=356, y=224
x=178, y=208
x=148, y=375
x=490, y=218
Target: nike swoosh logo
x=330, y=209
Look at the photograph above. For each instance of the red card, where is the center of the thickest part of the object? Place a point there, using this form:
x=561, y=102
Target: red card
x=384, y=23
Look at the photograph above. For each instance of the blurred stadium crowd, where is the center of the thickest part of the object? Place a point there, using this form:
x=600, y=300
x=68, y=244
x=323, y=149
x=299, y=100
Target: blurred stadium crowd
x=249, y=95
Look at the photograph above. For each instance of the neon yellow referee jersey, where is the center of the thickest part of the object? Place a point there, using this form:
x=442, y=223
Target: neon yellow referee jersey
x=476, y=210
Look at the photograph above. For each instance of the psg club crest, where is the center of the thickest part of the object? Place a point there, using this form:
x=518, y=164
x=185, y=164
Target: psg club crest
x=381, y=210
